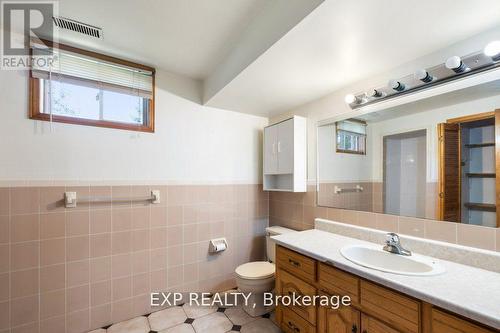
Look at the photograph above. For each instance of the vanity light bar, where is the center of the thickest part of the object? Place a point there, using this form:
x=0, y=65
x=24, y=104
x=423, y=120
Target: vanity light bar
x=454, y=68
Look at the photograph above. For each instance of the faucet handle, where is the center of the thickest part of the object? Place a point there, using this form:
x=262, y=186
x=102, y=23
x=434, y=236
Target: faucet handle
x=392, y=238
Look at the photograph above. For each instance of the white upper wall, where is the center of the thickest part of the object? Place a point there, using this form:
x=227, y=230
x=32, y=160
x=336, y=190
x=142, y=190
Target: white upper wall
x=192, y=143
x=426, y=120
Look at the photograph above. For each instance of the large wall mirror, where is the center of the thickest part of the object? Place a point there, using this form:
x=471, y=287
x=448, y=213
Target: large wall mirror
x=433, y=159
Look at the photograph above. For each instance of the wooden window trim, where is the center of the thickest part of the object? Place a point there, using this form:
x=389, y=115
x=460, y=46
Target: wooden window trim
x=34, y=96
x=347, y=151
x=343, y=151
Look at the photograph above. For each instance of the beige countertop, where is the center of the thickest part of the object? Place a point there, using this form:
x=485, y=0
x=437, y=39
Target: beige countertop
x=468, y=291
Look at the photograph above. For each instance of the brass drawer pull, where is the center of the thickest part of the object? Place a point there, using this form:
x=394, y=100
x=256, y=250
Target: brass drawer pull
x=294, y=263
x=354, y=329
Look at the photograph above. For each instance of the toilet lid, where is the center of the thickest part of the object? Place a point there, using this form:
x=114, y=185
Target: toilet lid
x=255, y=270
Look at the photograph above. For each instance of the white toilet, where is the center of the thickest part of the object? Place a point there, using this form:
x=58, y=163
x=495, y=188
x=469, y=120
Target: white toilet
x=257, y=277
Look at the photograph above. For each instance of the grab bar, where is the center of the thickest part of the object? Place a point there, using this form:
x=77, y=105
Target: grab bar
x=338, y=190
x=71, y=200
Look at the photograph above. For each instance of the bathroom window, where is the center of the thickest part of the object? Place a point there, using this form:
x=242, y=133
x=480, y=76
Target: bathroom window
x=351, y=137
x=86, y=88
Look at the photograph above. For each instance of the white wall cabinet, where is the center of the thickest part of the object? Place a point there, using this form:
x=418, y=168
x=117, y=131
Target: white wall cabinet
x=271, y=150
x=285, y=156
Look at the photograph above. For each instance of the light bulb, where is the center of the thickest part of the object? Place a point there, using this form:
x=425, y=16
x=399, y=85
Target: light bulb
x=396, y=85
x=349, y=99
x=423, y=76
x=375, y=93
x=455, y=64
x=493, y=50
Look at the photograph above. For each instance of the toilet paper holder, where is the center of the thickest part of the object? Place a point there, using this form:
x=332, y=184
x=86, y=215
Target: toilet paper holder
x=217, y=245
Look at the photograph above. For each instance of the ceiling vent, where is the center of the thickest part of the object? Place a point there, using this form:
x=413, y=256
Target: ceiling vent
x=78, y=27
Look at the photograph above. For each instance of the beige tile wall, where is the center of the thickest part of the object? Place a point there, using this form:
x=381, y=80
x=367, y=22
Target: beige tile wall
x=350, y=200
x=371, y=199
x=72, y=270
x=298, y=211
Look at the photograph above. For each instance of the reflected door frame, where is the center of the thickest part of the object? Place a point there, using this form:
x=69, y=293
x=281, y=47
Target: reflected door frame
x=457, y=121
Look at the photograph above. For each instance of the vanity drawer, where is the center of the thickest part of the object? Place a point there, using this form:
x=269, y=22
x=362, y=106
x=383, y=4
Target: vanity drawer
x=297, y=264
x=397, y=310
x=337, y=282
x=443, y=322
x=293, y=323
x=287, y=285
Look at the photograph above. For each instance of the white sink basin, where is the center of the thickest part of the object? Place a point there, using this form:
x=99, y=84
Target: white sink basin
x=376, y=258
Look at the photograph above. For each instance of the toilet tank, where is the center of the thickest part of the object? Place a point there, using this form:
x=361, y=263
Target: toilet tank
x=270, y=244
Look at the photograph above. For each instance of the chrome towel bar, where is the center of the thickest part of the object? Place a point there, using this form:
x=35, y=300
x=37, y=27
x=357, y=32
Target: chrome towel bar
x=339, y=190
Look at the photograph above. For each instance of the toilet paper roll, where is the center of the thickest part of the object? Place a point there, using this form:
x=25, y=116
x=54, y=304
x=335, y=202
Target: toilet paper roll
x=220, y=247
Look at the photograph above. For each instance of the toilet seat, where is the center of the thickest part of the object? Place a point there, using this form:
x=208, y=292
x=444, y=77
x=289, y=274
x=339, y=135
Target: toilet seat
x=255, y=270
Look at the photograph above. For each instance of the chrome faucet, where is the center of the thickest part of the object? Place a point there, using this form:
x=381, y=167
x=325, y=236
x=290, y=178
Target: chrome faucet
x=393, y=245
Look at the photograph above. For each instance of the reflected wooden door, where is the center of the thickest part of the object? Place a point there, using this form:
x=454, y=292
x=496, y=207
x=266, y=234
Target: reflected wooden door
x=449, y=172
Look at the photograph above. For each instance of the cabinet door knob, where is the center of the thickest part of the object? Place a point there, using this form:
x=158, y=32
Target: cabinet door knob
x=354, y=329
x=293, y=327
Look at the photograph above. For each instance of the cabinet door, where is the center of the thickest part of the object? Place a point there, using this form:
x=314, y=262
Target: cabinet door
x=371, y=325
x=285, y=146
x=342, y=320
x=289, y=285
x=271, y=150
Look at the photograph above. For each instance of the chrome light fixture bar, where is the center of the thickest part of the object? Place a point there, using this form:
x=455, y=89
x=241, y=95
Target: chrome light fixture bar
x=454, y=68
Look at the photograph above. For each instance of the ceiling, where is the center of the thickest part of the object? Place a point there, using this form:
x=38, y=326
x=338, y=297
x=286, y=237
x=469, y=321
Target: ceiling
x=188, y=37
x=337, y=43
x=344, y=41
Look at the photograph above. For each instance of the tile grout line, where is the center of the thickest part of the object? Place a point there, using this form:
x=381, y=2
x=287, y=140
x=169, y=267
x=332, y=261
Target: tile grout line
x=89, y=285
x=65, y=273
x=111, y=252
x=10, y=260
x=39, y=261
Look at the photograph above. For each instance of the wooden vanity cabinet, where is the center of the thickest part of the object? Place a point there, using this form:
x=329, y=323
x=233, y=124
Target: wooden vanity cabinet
x=443, y=322
x=374, y=309
x=342, y=320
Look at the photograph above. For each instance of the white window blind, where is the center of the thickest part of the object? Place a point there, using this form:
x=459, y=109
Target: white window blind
x=71, y=66
x=352, y=126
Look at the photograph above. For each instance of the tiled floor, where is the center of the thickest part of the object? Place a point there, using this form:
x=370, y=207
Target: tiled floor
x=195, y=319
